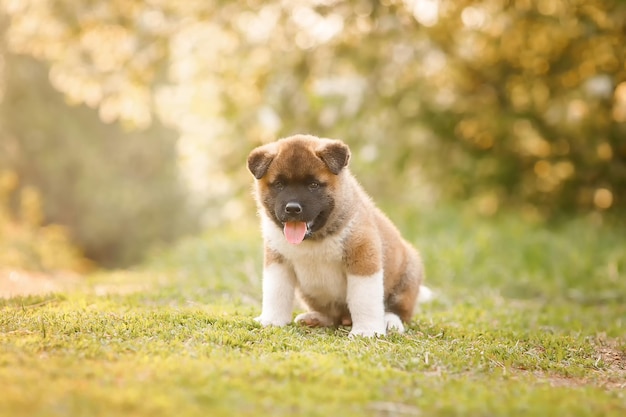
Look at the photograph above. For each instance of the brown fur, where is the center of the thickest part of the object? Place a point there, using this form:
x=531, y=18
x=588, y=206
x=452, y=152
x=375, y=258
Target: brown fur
x=372, y=243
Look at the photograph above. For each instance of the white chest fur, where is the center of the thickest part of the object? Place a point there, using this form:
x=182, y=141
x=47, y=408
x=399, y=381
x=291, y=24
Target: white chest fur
x=319, y=267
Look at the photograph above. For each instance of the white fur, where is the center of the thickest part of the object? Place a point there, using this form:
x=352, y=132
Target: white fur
x=393, y=323
x=365, y=302
x=278, y=294
x=318, y=266
x=425, y=295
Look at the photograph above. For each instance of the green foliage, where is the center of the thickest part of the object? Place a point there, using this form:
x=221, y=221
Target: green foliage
x=502, y=104
x=523, y=325
x=538, y=117
x=116, y=191
x=505, y=103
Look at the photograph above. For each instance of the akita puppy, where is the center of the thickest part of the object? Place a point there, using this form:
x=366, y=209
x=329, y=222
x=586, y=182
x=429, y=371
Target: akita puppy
x=327, y=242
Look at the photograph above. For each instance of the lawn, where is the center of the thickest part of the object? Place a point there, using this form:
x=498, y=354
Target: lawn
x=528, y=320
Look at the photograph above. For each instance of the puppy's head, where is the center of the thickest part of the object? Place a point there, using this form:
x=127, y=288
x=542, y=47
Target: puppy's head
x=297, y=178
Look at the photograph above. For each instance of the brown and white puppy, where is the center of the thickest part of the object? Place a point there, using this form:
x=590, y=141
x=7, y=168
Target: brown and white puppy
x=326, y=241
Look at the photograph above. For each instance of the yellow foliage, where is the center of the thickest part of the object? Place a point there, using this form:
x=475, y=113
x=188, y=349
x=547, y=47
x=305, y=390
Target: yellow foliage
x=25, y=242
x=30, y=207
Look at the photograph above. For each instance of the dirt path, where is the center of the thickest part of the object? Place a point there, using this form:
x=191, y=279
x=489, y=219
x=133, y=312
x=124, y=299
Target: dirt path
x=15, y=282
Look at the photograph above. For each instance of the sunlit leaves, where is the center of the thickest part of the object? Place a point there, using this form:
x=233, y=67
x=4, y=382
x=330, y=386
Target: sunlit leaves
x=532, y=89
x=97, y=52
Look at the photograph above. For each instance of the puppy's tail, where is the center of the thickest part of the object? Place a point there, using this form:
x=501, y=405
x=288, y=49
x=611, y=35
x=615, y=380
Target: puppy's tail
x=425, y=295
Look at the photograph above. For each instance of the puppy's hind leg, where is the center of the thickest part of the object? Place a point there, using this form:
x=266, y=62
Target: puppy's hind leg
x=314, y=319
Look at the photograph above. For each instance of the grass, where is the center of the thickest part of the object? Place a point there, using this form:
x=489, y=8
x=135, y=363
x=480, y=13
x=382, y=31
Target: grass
x=528, y=321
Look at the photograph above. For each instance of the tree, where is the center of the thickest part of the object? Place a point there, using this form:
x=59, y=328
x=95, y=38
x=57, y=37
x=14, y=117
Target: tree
x=505, y=103
x=118, y=192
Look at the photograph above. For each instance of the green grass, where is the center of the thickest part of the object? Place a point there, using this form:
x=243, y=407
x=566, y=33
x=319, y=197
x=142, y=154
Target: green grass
x=528, y=321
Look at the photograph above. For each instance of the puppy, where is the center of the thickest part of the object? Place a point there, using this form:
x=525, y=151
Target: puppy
x=326, y=241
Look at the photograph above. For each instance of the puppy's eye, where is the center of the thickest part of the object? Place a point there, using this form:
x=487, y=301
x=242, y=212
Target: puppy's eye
x=278, y=185
x=313, y=185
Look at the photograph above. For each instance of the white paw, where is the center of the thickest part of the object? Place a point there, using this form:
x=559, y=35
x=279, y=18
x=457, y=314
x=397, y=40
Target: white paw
x=393, y=323
x=314, y=319
x=367, y=331
x=272, y=321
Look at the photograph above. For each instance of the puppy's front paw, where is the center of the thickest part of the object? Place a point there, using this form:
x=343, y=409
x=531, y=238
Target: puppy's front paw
x=272, y=321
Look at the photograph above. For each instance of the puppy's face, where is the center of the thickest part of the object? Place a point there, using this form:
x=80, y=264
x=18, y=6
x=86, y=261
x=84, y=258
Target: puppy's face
x=297, y=179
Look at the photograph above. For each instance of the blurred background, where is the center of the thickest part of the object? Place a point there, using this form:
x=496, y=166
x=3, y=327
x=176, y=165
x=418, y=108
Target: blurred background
x=125, y=124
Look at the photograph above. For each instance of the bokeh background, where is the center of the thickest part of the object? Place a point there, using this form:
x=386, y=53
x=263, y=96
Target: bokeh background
x=125, y=124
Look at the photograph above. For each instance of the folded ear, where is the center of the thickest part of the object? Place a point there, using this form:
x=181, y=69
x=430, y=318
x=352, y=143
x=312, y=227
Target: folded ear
x=260, y=159
x=335, y=155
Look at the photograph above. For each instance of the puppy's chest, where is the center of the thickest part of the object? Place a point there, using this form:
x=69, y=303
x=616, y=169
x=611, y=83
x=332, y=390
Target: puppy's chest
x=323, y=281
x=319, y=267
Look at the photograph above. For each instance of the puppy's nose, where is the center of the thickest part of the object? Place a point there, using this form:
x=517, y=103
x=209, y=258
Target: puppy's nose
x=293, y=208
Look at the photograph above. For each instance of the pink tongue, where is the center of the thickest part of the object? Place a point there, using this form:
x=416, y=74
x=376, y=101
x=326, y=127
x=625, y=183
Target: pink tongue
x=295, y=231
